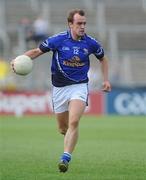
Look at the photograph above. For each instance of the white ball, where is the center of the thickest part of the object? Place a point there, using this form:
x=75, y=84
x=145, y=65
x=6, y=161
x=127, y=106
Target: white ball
x=22, y=65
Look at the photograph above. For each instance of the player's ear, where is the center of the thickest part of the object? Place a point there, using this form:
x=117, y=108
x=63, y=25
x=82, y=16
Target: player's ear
x=70, y=24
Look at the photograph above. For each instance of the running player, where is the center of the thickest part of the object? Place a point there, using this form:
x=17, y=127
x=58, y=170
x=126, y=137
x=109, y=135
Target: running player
x=70, y=64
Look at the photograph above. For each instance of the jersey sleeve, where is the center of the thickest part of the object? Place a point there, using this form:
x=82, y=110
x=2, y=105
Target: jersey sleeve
x=97, y=49
x=47, y=45
x=99, y=53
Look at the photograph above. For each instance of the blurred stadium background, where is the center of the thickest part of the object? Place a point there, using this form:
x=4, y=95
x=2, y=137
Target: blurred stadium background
x=119, y=25
x=110, y=147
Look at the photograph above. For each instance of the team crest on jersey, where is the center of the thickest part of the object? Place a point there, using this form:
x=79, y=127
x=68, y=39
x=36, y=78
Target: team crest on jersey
x=85, y=51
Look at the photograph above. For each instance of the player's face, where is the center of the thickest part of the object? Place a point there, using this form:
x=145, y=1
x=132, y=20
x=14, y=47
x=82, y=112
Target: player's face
x=78, y=26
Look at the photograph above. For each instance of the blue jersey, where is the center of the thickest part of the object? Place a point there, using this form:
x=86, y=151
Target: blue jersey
x=70, y=61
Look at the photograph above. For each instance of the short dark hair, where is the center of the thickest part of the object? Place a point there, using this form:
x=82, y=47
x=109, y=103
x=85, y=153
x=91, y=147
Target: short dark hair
x=71, y=14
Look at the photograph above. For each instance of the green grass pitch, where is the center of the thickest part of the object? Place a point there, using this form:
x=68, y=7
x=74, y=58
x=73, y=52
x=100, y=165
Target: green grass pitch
x=109, y=148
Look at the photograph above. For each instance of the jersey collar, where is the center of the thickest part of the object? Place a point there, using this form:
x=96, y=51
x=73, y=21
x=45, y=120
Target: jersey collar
x=70, y=36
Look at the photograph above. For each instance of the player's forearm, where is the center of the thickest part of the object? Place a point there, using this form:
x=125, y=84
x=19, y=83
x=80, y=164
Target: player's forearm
x=104, y=68
x=33, y=53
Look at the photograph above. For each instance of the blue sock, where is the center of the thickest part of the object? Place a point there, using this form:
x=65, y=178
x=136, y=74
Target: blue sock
x=66, y=156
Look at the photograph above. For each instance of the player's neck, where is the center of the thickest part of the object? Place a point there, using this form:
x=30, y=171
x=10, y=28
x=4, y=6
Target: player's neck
x=75, y=36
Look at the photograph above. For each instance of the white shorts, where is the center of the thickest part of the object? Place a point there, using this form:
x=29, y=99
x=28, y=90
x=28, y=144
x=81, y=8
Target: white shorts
x=63, y=95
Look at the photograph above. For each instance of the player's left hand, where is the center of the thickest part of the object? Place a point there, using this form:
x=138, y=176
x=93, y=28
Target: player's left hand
x=106, y=86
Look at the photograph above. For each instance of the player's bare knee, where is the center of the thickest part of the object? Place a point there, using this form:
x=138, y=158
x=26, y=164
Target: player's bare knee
x=62, y=130
x=74, y=123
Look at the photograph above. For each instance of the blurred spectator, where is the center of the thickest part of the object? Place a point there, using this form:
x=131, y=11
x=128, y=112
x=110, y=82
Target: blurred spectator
x=40, y=27
x=27, y=29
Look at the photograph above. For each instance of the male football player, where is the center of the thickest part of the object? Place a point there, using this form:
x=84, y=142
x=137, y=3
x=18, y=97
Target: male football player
x=70, y=64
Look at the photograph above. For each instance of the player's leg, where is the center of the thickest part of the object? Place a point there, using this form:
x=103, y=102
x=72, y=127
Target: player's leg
x=74, y=101
x=60, y=107
x=62, y=121
x=76, y=109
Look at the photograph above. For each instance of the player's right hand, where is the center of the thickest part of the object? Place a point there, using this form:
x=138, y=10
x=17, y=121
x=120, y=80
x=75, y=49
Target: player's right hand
x=106, y=86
